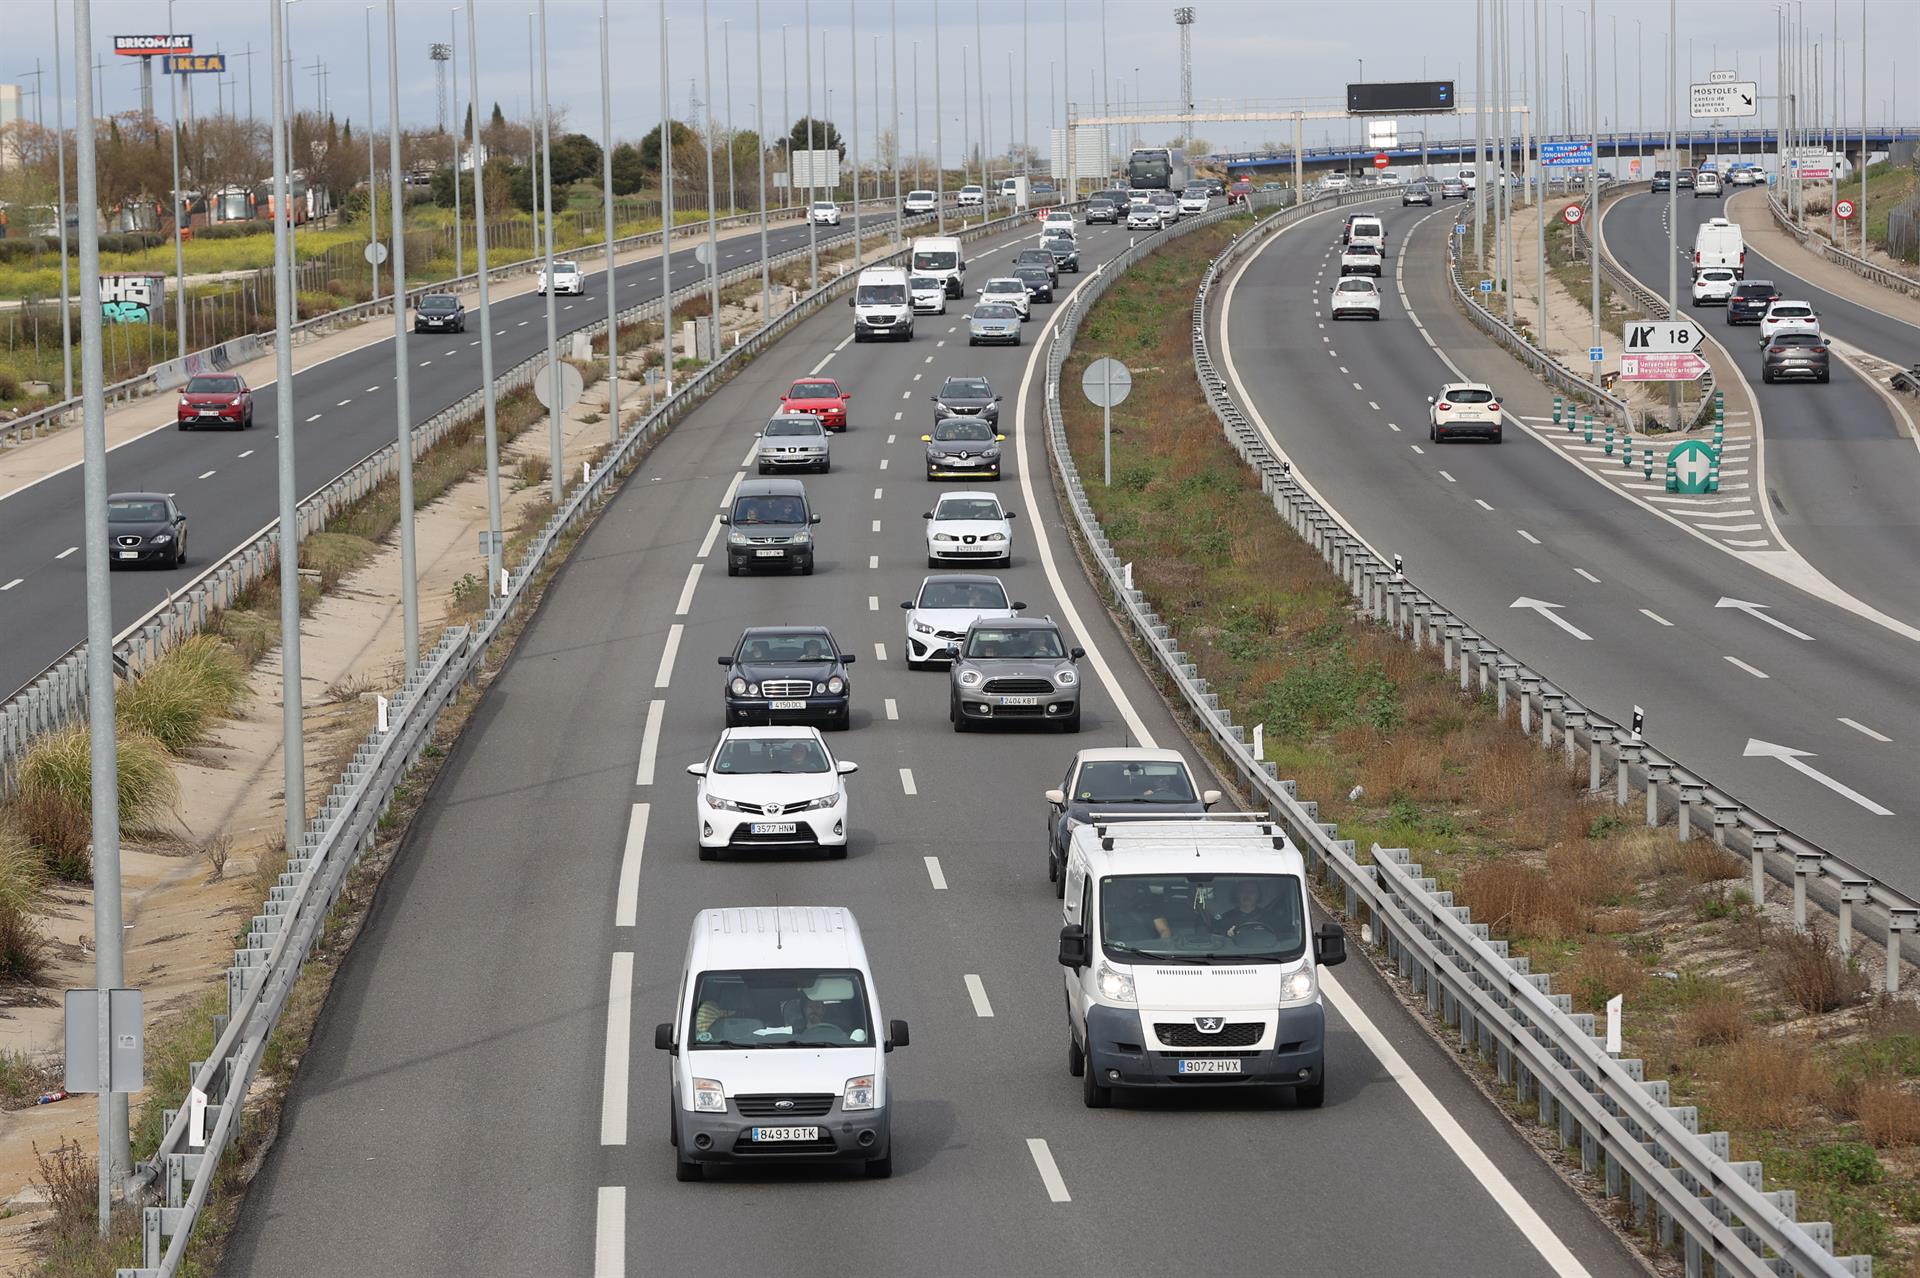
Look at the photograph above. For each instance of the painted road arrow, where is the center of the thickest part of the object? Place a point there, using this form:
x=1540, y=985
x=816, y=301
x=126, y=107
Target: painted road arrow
x=1758, y=610
x=1757, y=748
x=1545, y=609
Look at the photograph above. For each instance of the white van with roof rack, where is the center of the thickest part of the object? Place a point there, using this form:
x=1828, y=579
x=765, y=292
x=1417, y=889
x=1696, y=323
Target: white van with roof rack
x=778, y=1045
x=1190, y=959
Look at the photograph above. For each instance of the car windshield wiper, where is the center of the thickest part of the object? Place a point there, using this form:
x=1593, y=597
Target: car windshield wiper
x=1152, y=956
x=1137, y=800
x=1237, y=957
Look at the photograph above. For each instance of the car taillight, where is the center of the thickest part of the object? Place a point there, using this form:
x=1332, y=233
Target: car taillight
x=1776, y=350
x=1445, y=406
x=1495, y=407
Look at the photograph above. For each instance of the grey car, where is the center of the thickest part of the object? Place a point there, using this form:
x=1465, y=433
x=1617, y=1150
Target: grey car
x=963, y=448
x=1016, y=670
x=966, y=397
x=1118, y=783
x=1066, y=253
x=1453, y=189
x=1795, y=356
x=794, y=441
x=1418, y=193
x=993, y=322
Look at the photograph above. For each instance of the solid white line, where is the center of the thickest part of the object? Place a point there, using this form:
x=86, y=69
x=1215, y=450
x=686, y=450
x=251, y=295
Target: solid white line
x=893, y=708
x=706, y=543
x=68, y=551
x=686, y=591
x=1589, y=576
x=934, y=874
x=210, y=474
x=650, y=742
x=610, y=1233
x=1651, y=615
x=626, y=905
x=664, y=675
x=906, y=781
x=613, y=1087
x=879, y=651
x=1481, y=503
x=1863, y=728
x=1049, y=1172
x=753, y=452
x=823, y=362
x=1755, y=671
x=978, y=993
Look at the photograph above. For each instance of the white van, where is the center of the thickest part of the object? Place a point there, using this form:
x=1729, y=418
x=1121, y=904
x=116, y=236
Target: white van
x=1706, y=182
x=882, y=306
x=1468, y=178
x=940, y=255
x=777, y=1043
x=1189, y=960
x=1718, y=243
x=1367, y=231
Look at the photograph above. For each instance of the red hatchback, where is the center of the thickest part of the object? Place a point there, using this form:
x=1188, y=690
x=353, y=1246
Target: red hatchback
x=216, y=399
x=1239, y=191
x=820, y=397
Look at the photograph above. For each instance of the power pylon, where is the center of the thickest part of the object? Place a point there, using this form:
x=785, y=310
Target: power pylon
x=441, y=55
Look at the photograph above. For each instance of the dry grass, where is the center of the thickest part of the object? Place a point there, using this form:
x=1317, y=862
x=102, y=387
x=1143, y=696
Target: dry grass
x=1886, y=1109
x=1817, y=977
x=1598, y=972
x=1762, y=1083
x=1716, y=1014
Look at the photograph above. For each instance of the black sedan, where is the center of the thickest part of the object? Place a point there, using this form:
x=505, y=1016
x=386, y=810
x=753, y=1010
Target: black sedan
x=1038, y=279
x=1750, y=300
x=1102, y=209
x=1796, y=356
x=145, y=528
x=788, y=674
x=439, y=313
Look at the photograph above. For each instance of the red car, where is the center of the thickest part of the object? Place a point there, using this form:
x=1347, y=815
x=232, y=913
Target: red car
x=216, y=399
x=1239, y=191
x=820, y=396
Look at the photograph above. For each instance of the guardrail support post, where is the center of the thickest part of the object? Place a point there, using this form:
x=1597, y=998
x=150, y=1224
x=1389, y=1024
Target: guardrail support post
x=1805, y=866
x=1853, y=891
x=1597, y=737
x=1900, y=921
x=1576, y=720
x=1691, y=792
x=1467, y=646
x=1725, y=816
x=1658, y=774
x=1764, y=841
x=1529, y=685
x=1629, y=754
x=1503, y=673
x=1549, y=702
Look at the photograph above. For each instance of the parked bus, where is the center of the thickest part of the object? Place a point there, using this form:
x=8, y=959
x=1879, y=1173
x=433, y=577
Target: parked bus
x=296, y=200
x=137, y=213
x=232, y=204
x=1158, y=169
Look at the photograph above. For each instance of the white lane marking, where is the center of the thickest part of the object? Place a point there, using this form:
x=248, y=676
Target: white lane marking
x=1509, y=1199
x=613, y=1086
x=934, y=873
x=210, y=474
x=876, y=494
x=1759, y=613
x=906, y=394
x=873, y=561
x=1481, y=503
x=1416, y=448
x=664, y=675
x=893, y=708
x=823, y=362
x=929, y=359
x=1755, y=671
x=713, y=534
x=1394, y=427
x=1049, y=1171
x=376, y=385
x=897, y=415
x=1449, y=478
x=883, y=466
x=626, y=905
x=1343, y=369
x=1589, y=576
x=11, y=584
x=343, y=403
x=425, y=363
x=876, y=523
x=733, y=486
x=873, y=603
x=686, y=591
x=314, y=418
x=1370, y=404
x=1356, y=385
x=650, y=742
x=753, y=454
x=916, y=377
x=978, y=993
x=906, y=781
x=879, y=651
x=1654, y=617
x=521, y=324
x=1865, y=730
x=610, y=1232
x=891, y=438
x=68, y=551
x=248, y=453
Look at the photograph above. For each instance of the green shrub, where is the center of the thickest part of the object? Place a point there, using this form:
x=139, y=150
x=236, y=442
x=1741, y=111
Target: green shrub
x=1850, y=1162
x=217, y=668
x=176, y=700
x=56, y=779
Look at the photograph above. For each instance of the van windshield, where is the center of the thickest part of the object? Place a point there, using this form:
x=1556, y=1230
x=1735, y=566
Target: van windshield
x=935, y=259
x=881, y=295
x=780, y=1007
x=749, y=512
x=1199, y=918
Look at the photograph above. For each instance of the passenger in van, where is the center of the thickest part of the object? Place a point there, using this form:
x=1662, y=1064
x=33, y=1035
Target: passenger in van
x=1138, y=919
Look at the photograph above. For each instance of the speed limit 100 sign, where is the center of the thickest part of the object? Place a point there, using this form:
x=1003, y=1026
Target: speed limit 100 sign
x=1573, y=213
x=1844, y=210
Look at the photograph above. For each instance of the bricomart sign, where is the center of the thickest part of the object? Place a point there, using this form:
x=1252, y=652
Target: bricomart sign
x=151, y=46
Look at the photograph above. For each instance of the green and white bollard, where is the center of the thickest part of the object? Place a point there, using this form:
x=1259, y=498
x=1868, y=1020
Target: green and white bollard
x=1673, y=475
x=1557, y=403
x=1588, y=418
x=1626, y=448
x=1609, y=448
x=1646, y=457
x=1713, y=473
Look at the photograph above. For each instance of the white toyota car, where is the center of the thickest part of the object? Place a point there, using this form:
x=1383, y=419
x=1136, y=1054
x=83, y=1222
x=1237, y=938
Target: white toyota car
x=825, y=213
x=566, y=279
x=771, y=789
x=941, y=610
x=969, y=527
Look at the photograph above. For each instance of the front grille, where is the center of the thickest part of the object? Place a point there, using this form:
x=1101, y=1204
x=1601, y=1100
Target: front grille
x=1232, y=1034
x=787, y=687
x=804, y=1105
x=1018, y=686
x=951, y=634
x=961, y=410
x=128, y=542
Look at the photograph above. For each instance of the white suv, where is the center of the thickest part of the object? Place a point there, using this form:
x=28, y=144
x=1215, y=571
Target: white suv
x=919, y=202
x=1355, y=295
x=939, y=614
x=1714, y=285
x=1463, y=408
x=1786, y=316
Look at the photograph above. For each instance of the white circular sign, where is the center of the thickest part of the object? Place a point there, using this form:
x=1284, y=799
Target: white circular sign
x=1107, y=382
x=1573, y=213
x=1844, y=210
x=375, y=253
x=572, y=386
x=702, y=253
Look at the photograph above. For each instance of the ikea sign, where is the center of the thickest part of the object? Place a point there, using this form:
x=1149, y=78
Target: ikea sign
x=194, y=63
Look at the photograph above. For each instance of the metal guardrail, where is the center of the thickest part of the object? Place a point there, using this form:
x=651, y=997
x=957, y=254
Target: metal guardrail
x=1677, y=1180
x=282, y=936
x=1834, y=253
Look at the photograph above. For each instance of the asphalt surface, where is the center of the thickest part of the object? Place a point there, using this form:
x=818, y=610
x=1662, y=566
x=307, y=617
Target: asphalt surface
x=449, y=1116
x=1842, y=470
x=1483, y=526
x=225, y=480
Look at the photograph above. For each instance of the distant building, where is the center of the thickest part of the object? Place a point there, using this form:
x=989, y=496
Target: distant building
x=10, y=115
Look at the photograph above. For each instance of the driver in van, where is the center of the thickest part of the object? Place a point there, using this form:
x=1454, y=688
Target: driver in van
x=1246, y=911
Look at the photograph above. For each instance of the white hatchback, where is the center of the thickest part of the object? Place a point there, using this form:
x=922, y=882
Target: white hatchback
x=1786, y=316
x=969, y=527
x=1355, y=295
x=941, y=610
x=1011, y=290
x=1142, y=216
x=775, y=789
x=929, y=294
x=566, y=279
x=920, y=202
x=971, y=196
x=1057, y=221
x=1714, y=285
x=825, y=213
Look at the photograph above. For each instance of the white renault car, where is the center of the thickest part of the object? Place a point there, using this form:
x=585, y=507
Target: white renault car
x=1463, y=408
x=969, y=527
x=1355, y=295
x=771, y=789
x=1788, y=317
x=1056, y=222
x=566, y=279
x=1142, y=216
x=1012, y=290
x=929, y=293
x=1714, y=286
x=825, y=213
x=941, y=610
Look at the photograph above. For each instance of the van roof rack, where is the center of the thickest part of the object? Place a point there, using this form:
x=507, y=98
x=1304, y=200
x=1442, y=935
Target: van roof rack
x=1214, y=827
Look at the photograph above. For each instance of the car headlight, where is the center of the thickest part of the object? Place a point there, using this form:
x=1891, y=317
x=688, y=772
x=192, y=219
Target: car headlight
x=1298, y=986
x=835, y=686
x=802, y=537
x=970, y=678
x=919, y=629
x=945, y=537
x=737, y=538
x=1115, y=986
x=814, y=805
x=993, y=536
x=739, y=686
x=719, y=804
x=161, y=539
x=709, y=1097
x=858, y=1093
x=1065, y=677
x=989, y=454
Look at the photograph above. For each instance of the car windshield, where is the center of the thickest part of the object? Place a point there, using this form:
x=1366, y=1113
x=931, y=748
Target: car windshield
x=1362, y=250
x=963, y=594
x=989, y=642
x=965, y=388
x=1366, y=228
x=814, y=390
x=1752, y=289
x=566, y=268
x=439, y=302
x=995, y=311
x=880, y=294
x=786, y=646
x=136, y=512
x=971, y=188
x=1196, y=918
x=919, y=195
x=925, y=283
x=781, y=426
x=1357, y=286
x=1032, y=257
x=935, y=259
x=780, y=1007
x=1470, y=395
x=967, y=508
x=1028, y=271
x=769, y=756
x=780, y=509
x=1132, y=781
x=1006, y=286
x=213, y=386
x=822, y=206
x=961, y=428
x=1798, y=339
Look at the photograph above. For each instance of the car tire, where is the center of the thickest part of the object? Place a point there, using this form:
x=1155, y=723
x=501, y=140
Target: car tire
x=972, y=342
x=759, y=469
x=709, y=854
x=1092, y=1094
x=838, y=852
x=1765, y=377
x=841, y=722
x=180, y=425
x=806, y=569
x=1496, y=436
x=826, y=467
x=1072, y=722
x=958, y=720
x=180, y=553
x=733, y=569
x=1076, y=1059
x=1432, y=435
x=1823, y=379
x=1309, y=1095
x=685, y=1169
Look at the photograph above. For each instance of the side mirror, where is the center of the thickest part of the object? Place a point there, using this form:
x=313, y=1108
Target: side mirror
x=927, y=439
x=663, y=1037
x=934, y=398
x=1209, y=797
x=928, y=514
x=1019, y=605
x=998, y=439
x=846, y=768
x=897, y=1035
x=845, y=395
x=996, y=399
x=725, y=659
x=1010, y=514
x=1430, y=399
x=1075, y=952
x=849, y=301
x=725, y=520
x=848, y=658
x=1330, y=945
x=813, y=519
x=1076, y=653
x=906, y=603
x=697, y=769
x=1056, y=797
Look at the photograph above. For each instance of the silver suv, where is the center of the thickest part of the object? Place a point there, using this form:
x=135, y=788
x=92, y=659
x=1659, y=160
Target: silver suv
x=1014, y=669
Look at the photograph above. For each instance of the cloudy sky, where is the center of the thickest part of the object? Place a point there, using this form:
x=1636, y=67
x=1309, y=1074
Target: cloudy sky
x=1291, y=52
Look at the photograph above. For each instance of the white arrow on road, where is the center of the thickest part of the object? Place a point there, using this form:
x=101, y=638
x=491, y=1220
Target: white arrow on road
x=1759, y=611
x=1545, y=609
x=1757, y=748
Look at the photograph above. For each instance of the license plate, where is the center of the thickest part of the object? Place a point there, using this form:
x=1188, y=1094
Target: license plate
x=785, y=1133
x=774, y=553
x=1019, y=701
x=1211, y=1065
x=775, y=827
x=129, y=554
x=208, y=412
x=786, y=705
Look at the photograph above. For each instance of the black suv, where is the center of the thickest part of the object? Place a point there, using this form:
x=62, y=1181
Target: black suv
x=439, y=312
x=1041, y=258
x=1750, y=301
x=1101, y=208
x=967, y=397
x=1066, y=254
x=1038, y=279
x=770, y=525
x=787, y=674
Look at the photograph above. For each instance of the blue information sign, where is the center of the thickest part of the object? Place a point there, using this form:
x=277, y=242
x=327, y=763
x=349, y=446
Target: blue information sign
x=1595, y=354
x=1566, y=155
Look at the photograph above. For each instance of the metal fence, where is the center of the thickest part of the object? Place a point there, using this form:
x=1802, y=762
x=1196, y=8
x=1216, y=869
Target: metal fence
x=1677, y=1180
x=282, y=936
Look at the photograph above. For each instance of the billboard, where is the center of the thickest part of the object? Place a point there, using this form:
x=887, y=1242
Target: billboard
x=1092, y=162
x=151, y=46
x=193, y=63
x=1407, y=97
x=817, y=169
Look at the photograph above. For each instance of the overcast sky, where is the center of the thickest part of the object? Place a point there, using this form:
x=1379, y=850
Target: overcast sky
x=1299, y=51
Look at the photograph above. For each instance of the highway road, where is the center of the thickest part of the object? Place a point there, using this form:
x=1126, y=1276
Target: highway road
x=225, y=480
x=1842, y=469
x=1483, y=526
x=482, y=1096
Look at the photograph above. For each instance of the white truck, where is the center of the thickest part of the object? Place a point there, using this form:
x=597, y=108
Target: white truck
x=1718, y=243
x=941, y=256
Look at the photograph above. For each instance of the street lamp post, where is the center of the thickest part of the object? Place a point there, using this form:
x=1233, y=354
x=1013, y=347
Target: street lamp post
x=556, y=460
x=179, y=214
x=606, y=201
x=666, y=216
x=760, y=127
x=402, y=400
x=373, y=177
x=494, y=547
x=939, y=153
x=60, y=160
x=459, y=240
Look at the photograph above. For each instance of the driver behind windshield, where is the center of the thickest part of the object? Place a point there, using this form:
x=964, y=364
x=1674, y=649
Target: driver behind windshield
x=1246, y=912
